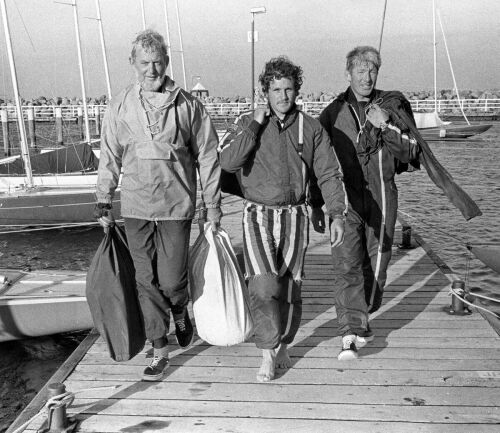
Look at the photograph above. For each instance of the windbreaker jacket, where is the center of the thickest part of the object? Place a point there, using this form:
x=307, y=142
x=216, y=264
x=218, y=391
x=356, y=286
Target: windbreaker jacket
x=369, y=157
x=159, y=171
x=274, y=170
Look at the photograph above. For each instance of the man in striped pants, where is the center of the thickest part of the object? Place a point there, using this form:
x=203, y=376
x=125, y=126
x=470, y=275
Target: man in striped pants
x=273, y=150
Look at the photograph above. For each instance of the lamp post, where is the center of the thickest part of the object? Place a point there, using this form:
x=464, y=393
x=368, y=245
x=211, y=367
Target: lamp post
x=254, y=11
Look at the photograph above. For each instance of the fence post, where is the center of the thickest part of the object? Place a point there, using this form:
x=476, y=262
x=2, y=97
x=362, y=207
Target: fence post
x=97, y=116
x=59, y=126
x=31, y=126
x=5, y=130
x=79, y=111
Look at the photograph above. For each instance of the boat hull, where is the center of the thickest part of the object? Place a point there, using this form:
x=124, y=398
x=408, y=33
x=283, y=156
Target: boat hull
x=50, y=206
x=34, y=304
x=453, y=132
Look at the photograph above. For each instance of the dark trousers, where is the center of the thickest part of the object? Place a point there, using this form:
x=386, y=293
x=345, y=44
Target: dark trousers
x=160, y=254
x=360, y=266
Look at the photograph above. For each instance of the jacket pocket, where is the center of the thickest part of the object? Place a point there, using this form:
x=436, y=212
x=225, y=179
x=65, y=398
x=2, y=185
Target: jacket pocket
x=151, y=149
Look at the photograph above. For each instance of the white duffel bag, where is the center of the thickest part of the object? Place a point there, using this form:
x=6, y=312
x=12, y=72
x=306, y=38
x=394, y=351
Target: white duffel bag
x=220, y=297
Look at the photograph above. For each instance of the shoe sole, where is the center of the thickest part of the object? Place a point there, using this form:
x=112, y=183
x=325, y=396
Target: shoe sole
x=347, y=355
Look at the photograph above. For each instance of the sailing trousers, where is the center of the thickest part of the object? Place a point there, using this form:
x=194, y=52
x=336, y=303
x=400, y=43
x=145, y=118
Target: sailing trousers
x=160, y=254
x=360, y=265
x=275, y=242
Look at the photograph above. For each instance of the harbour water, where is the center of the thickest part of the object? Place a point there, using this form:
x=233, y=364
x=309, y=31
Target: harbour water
x=474, y=163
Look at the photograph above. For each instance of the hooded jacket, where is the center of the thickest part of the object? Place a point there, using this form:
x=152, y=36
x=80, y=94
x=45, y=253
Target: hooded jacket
x=159, y=170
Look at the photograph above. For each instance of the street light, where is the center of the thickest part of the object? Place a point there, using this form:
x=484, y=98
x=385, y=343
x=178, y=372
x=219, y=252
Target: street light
x=254, y=11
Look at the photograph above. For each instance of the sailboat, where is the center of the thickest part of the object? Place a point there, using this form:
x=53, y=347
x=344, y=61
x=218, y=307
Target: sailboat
x=430, y=125
x=48, y=198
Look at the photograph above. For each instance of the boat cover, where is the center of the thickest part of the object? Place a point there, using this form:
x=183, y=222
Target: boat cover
x=490, y=256
x=74, y=158
x=429, y=120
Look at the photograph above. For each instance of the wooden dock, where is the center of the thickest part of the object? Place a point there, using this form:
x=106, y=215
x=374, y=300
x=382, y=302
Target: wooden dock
x=426, y=370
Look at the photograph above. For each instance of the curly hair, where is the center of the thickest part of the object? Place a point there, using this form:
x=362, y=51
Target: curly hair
x=361, y=54
x=150, y=41
x=278, y=68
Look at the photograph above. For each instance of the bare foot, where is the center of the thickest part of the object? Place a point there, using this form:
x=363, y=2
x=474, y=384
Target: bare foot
x=266, y=371
x=282, y=358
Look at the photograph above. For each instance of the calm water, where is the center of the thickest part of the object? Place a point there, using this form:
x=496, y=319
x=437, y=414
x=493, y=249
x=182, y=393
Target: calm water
x=475, y=165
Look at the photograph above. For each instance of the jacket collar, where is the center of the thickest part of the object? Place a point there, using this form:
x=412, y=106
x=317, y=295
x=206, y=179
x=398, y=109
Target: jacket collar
x=288, y=119
x=168, y=88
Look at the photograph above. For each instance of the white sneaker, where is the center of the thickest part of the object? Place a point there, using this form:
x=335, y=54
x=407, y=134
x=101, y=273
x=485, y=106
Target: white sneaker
x=349, y=350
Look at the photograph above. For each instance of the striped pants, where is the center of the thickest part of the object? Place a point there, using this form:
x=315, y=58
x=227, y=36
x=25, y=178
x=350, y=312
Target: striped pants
x=275, y=243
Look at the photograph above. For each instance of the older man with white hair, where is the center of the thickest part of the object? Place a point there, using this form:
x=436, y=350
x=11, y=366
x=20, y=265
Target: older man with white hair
x=159, y=136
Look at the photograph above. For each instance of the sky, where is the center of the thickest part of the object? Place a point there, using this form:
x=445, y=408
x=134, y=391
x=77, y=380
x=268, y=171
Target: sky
x=315, y=34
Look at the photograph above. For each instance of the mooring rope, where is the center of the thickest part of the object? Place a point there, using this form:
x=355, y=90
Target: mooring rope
x=64, y=399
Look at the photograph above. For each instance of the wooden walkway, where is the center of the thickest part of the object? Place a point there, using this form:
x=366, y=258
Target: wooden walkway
x=426, y=370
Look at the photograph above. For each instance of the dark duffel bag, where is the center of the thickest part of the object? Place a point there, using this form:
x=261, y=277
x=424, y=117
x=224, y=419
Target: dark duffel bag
x=112, y=297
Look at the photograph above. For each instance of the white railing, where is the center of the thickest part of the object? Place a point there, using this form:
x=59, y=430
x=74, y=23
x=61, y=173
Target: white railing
x=228, y=110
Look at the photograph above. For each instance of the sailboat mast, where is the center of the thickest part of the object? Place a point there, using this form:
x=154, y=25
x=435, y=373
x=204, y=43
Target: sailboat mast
x=180, y=43
x=103, y=46
x=435, y=53
x=382, y=27
x=451, y=69
x=143, y=15
x=22, y=129
x=82, y=77
x=169, y=48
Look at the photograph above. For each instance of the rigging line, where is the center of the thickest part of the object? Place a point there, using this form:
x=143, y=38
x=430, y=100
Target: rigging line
x=465, y=301
x=24, y=25
x=456, y=238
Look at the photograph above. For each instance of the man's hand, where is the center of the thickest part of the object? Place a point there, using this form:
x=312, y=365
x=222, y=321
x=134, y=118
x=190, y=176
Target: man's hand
x=377, y=116
x=261, y=113
x=104, y=216
x=336, y=232
x=318, y=220
x=214, y=215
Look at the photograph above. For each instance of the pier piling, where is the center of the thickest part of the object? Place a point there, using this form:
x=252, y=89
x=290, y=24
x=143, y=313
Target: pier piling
x=4, y=115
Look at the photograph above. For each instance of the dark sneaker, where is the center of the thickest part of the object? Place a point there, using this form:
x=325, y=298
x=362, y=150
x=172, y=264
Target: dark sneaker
x=366, y=336
x=155, y=370
x=184, y=331
x=349, y=350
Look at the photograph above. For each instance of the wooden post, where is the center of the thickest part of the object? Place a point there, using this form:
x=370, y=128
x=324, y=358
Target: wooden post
x=80, y=121
x=97, y=115
x=31, y=126
x=5, y=130
x=59, y=126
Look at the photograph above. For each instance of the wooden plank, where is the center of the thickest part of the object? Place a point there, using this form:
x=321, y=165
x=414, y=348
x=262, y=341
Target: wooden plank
x=295, y=376
x=290, y=411
x=367, y=352
x=331, y=362
x=339, y=394
x=195, y=424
